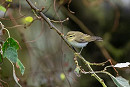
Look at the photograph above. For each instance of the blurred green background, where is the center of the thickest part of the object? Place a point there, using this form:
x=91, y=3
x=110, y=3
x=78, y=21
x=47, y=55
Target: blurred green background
x=45, y=55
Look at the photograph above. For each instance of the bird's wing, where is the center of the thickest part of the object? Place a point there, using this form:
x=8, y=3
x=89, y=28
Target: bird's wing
x=81, y=38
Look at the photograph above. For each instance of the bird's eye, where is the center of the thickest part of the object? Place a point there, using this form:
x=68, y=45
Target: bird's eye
x=70, y=36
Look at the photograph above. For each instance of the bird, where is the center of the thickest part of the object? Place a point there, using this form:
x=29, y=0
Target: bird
x=79, y=39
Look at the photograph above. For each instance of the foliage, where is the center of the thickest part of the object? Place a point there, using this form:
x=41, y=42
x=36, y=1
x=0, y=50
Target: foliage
x=9, y=0
x=9, y=49
x=28, y=19
x=45, y=51
x=2, y=8
x=120, y=82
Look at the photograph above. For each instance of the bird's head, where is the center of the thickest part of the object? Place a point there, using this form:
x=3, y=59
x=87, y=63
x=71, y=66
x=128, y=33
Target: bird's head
x=70, y=36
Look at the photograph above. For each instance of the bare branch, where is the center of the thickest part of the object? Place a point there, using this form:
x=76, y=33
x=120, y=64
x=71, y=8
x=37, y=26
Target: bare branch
x=62, y=36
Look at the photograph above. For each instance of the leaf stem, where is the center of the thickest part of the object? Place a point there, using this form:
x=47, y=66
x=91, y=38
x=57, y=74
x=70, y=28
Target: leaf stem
x=2, y=27
x=7, y=32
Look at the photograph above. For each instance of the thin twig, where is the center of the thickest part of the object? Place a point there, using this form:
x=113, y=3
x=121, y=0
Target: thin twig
x=61, y=42
x=99, y=64
x=69, y=7
x=91, y=70
x=2, y=27
x=5, y=82
x=60, y=21
x=62, y=36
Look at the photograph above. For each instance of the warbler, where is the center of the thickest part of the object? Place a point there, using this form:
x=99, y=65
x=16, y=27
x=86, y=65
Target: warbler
x=79, y=39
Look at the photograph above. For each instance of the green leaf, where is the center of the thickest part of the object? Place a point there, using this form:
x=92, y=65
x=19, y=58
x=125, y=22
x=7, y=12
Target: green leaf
x=8, y=0
x=11, y=54
x=10, y=42
x=22, y=68
x=2, y=8
x=28, y=19
x=120, y=82
x=1, y=60
x=9, y=49
x=77, y=71
x=62, y=76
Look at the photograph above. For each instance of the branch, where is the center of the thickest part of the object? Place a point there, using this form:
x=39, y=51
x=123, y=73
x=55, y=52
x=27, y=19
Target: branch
x=62, y=36
x=86, y=30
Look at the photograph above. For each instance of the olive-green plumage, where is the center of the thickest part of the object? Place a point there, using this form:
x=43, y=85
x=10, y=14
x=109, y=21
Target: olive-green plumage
x=80, y=39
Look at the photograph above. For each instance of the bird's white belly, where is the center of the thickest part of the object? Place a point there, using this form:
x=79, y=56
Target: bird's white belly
x=79, y=45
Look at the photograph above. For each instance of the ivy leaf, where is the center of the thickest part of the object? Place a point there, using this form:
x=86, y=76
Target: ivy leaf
x=22, y=68
x=9, y=49
x=2, y=8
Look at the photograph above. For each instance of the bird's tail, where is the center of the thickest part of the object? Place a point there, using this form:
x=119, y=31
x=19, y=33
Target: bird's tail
x=96, y=38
